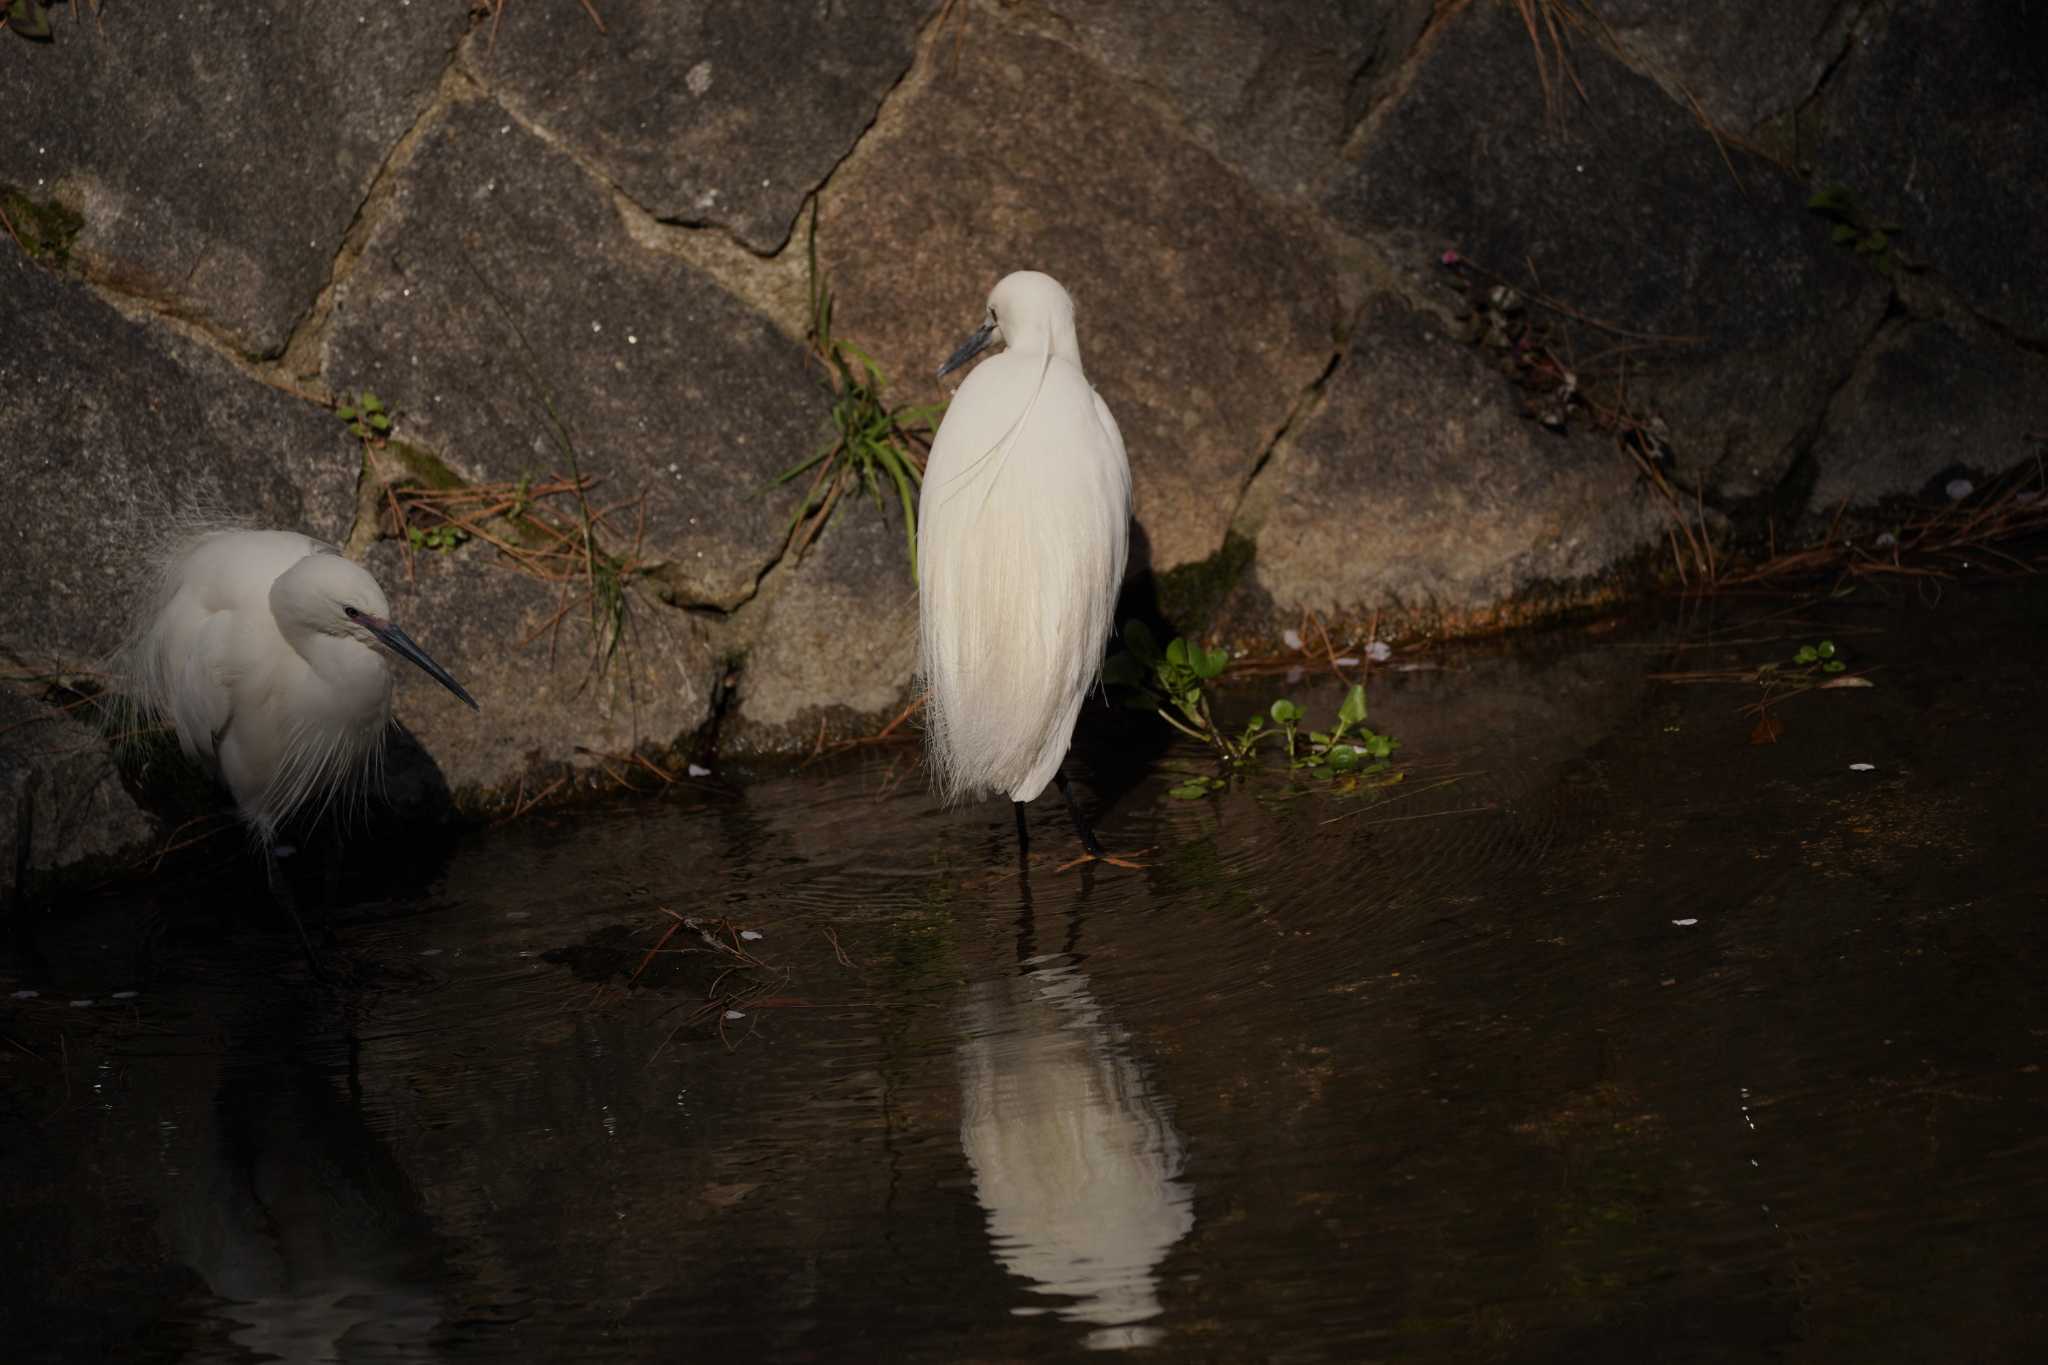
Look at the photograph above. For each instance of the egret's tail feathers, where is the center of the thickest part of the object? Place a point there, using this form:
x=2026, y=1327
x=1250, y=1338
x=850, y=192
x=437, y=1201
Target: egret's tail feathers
x=1018, y=590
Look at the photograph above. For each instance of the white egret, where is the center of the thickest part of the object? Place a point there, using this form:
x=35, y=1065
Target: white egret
x=270, y=655
x=1023, y=529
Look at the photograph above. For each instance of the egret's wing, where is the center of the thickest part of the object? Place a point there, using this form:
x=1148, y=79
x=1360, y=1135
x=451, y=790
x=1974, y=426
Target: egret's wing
x=1123, y=470
x=201, y=700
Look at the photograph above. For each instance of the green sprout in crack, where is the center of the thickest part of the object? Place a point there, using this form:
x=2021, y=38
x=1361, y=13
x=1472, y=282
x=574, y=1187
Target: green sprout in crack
x=440, y=539
x=870, y=445
x=367, y=417
x=1854, y=230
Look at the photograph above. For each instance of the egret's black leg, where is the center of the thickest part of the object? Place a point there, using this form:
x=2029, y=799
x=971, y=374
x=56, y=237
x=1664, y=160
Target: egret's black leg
x=1023, y=835
x=281, y=892
x=1080, y=825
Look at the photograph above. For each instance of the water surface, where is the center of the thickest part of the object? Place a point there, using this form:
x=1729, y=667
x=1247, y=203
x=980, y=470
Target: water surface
x=1607, y=1035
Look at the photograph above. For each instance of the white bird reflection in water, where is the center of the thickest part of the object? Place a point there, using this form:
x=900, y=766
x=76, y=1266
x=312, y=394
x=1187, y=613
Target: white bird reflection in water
x=299, y=1220
x=1076, y=1161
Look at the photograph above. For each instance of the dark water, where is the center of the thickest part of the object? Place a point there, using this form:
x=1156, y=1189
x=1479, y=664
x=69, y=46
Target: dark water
x=1607, y=1035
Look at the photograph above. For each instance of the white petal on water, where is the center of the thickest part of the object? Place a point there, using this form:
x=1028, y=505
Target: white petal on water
x=1379, y=651
x=25, y=995
x=735, y=1014
x=1685, y=923
x=1348, y=661
x=1291, y=638
x=1958, y=489
x=1862, y=767
x=750, y=933
x=126, y=995
x=696, y=771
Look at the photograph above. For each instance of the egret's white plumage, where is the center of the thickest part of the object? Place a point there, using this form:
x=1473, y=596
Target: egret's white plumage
x=270, y=655
x=1023, y=528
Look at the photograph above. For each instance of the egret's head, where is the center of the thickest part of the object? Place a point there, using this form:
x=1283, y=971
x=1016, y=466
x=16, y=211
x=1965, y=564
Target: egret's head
x=1026, y=311
x=324, y=594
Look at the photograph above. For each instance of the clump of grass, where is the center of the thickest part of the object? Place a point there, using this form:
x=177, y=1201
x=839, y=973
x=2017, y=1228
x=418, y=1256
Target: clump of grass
x=1173, y=684
x=530, y=521
x=871, y=445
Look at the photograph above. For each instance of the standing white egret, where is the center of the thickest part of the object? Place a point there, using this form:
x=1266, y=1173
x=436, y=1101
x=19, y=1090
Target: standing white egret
x=270, y=655
x=1023, y=528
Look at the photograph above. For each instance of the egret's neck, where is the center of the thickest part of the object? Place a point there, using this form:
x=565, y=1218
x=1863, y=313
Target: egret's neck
x=358, y=676
x=1036, y=336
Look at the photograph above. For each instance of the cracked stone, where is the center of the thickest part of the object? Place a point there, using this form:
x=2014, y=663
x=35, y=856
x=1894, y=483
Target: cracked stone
x=218, y=153
x=1925, y=398
x=540, y=699
x=1415, y=489
x=1202, y=314
x=82, y=812
x=499, y=282
x=728, y=115
x=1938, y=124
x=109, y=428
x=1745, y=61
x=834, y=636
x=1274, y=89
x=1621, y=207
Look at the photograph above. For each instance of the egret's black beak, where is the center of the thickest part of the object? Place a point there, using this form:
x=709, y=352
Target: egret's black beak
x=401, y=644
x=969, y=350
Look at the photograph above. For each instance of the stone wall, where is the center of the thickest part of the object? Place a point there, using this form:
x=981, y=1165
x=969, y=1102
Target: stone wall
x=535, y=238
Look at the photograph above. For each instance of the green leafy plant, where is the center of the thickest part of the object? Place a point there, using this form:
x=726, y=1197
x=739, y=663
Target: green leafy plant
x=1807, y=661
x=870, y=444
x=29, y=18
x=442, y=538
x=1855, y=230
x=1152, y=679
x=1808, y=669
x=45, y=229
x=1173, y=683
x=367, y=417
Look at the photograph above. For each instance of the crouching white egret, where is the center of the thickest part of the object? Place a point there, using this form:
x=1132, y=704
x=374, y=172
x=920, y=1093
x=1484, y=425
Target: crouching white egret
x=1023, y=528
x=270, y=655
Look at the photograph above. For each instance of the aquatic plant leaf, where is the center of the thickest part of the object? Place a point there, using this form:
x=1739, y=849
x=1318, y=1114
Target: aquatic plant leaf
x=1124, y=670
x=1352, y=712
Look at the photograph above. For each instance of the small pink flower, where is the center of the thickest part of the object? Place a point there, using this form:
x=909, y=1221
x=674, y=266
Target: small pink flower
x=1452, y=259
